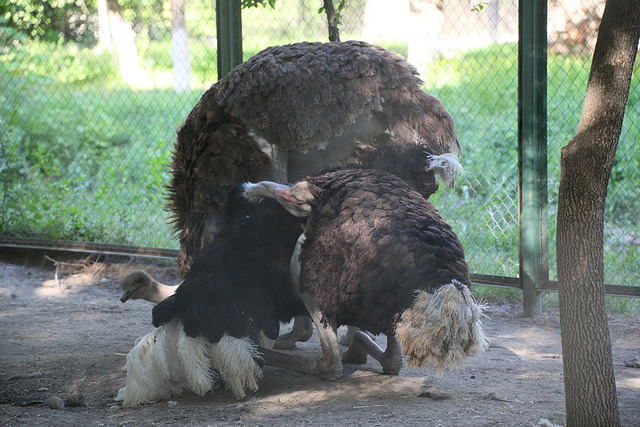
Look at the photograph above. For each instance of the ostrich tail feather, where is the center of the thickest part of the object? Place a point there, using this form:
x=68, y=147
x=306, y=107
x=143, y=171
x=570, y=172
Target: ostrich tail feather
x=166, y=362
x=441, y=330
x=446, y=166
x=150, y=370
x=235, y=360
x=194, y=357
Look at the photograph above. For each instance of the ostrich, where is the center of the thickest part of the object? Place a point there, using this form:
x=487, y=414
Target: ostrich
x=377, y=255
x=294, y=110
x=209, y=330
x=139, y=285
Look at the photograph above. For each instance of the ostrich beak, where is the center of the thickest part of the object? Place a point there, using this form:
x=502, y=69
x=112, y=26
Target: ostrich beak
x=126, y=295
x=292, y=201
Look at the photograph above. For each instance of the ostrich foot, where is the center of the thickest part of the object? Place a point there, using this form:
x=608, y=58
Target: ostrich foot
x=301, y=331
x=390, y=359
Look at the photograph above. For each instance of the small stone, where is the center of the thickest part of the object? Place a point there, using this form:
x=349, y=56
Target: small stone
x=75, y=400
x=55, y=402
x=632, y=363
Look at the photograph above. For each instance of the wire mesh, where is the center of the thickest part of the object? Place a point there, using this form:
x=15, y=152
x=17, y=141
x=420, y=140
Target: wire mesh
x=572, y=37
x=88, y=118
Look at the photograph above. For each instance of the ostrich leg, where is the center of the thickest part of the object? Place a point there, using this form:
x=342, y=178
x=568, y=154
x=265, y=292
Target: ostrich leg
x=279, y=164
x=329, y=366
x=347, y=338
x=363, y=345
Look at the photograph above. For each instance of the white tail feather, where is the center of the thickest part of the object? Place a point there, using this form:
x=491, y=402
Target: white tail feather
x=166, y=362
x=441, y=330
x=151, y=373
x=194, y=355
x=234, y=359
x=446, y=166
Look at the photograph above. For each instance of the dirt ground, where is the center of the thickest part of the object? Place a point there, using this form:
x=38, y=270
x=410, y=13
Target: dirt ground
x=72, y=336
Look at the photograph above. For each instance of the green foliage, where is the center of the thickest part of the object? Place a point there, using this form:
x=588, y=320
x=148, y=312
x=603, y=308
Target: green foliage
x=341, y=6
x=246, y=4
x=47, y=20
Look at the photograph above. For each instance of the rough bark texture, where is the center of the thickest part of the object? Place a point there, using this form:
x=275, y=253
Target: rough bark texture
x=124, y=39
x=586, y=163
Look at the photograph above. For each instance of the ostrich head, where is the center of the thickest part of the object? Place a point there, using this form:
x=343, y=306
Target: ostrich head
x=416, y=166
x=139, y=285
x=295, y=199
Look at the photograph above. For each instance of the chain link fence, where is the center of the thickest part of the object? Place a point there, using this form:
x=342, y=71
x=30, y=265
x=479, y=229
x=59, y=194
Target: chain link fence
x=88, y=115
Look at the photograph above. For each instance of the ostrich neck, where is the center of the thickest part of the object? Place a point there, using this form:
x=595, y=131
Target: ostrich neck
x=159, y=292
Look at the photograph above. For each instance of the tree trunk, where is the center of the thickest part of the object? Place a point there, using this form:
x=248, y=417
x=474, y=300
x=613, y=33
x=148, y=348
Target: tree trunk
x=586, y=163
x=124, y=39
x=332, y=21
x=104, y=34
x=180, y=47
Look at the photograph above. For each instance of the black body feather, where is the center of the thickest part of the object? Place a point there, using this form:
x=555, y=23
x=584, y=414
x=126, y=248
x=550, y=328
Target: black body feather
x=240, y=284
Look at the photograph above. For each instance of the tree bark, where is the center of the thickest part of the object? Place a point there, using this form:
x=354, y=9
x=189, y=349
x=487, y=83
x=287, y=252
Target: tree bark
x=332, y=21
x=124, y=40
x=180, y=47
x=586, y=163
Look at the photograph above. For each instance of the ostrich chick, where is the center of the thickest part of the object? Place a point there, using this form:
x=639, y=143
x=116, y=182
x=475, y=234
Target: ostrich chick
x=139, y=285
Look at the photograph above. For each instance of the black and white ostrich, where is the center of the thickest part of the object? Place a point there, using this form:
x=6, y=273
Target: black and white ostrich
x=231, y=301
x=377, y=255
x=294, y=110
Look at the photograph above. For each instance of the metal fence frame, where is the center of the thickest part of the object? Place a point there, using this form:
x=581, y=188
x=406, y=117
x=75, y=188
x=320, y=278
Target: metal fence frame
x=532, y=160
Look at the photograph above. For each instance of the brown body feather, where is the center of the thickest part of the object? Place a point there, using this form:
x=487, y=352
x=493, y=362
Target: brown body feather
x=322, y=104
x=377, y=242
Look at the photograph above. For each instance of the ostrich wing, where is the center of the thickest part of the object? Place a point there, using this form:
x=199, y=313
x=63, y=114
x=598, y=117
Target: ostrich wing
x=299, y=96
x=207, y=162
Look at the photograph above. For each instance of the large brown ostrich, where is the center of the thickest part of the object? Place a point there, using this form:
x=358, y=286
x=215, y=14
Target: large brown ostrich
x=375, y=254
x=294, y=110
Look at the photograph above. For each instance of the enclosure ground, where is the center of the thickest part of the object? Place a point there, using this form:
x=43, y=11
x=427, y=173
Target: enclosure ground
x=57, y=339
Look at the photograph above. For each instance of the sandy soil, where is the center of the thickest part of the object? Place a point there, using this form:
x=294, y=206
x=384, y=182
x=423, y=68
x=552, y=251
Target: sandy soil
x=72, y=337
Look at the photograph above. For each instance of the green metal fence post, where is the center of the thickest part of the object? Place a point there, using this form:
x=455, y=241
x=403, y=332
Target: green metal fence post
x=532, y=151
x=229, y=34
